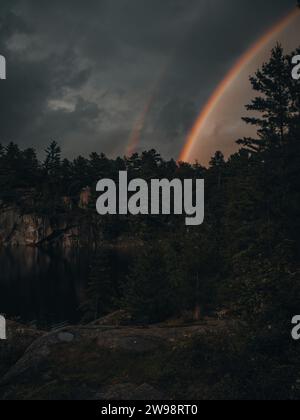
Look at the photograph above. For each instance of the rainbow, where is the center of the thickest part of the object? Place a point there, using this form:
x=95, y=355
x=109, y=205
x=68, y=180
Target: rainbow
x=230, y=78
x=135, y=135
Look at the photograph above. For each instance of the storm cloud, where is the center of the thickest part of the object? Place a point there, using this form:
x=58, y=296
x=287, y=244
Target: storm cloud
x=82, y=72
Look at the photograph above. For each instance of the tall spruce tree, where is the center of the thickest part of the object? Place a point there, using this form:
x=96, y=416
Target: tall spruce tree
x=53, y=160
x=274, y=103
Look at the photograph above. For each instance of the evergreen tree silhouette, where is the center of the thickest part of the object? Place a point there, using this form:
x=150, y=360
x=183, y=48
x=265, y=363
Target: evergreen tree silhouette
x=274, y=103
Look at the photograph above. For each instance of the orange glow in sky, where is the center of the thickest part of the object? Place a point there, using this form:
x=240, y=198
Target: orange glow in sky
x=195, y=133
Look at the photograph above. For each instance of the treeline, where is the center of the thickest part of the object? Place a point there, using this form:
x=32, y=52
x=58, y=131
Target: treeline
x=22, y=169
x=57, y=177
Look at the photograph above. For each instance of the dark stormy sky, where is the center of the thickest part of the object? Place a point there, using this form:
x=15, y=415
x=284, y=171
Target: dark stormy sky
x=83, y=72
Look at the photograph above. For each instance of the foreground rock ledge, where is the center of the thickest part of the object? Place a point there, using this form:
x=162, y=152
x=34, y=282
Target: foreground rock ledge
x=100, y=362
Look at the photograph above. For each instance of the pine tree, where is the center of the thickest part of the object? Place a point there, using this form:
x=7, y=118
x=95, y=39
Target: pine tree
x=217, y=165
x=148, y=293
x=30, y=167
x=274, y=102
x=100, y=167
x=133, y=165
x=53, y=160
x=11, y=165
x=81, y=173
x=102, y=290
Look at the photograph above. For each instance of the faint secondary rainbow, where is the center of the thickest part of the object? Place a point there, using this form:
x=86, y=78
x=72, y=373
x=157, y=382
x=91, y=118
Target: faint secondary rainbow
x=136, y=132
x=229, y=80
x=135, y=135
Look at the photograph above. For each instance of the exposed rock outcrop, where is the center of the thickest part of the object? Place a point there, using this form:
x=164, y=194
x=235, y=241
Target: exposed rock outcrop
x=19, y=338
x=102, y=362
x=17, y=229
x=66, y=230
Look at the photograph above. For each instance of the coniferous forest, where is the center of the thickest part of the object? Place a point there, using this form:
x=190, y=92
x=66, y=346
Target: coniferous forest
x=241, y=265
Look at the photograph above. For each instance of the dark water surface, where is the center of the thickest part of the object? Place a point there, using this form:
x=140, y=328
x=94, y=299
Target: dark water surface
x=43, y=287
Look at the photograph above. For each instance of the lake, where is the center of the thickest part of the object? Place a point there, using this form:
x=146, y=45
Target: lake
x=46, y=287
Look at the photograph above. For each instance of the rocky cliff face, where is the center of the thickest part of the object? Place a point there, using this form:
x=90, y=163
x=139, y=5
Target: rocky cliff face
x=17, y=229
